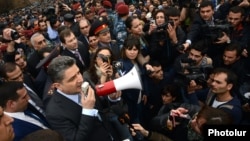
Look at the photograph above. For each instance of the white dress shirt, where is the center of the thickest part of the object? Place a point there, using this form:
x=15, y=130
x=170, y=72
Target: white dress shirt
x=22, y=116
x=75, y=98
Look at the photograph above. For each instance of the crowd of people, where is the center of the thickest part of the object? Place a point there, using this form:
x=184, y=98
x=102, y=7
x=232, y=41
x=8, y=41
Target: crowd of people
x=192, y=58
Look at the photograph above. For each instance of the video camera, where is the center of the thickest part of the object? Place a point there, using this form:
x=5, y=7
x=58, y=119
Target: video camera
x=161, y=32
x=216, y=31
x=197, y=73
x=50, y=15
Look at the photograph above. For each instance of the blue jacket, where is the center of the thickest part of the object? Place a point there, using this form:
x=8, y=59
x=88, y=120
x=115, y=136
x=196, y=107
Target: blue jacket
x=23, y=128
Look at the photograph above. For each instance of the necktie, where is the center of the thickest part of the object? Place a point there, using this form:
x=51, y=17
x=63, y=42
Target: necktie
x=32, y=115
x=77, y=54
x=79, y=99
x=35, y=100
x=86, y=39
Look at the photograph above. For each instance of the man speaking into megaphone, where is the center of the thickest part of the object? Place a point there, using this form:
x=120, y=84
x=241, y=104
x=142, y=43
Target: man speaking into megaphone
x=75, y=114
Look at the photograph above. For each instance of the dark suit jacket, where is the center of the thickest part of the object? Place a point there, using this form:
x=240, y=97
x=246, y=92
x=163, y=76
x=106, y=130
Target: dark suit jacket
x=83, y=40
x=83, y=50
x=32, y=62
x=75, y=28
x=23, y=128
x=65, y=116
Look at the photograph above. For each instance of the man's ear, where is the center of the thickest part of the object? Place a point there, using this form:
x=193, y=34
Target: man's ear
x=10, y=104
x=229, y=86
x=56, y=85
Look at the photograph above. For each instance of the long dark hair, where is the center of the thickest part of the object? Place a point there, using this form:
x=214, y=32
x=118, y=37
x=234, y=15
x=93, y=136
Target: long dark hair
x=92, y=68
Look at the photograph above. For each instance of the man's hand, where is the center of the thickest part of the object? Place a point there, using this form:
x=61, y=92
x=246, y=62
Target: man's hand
x=193, y=87
x=172, y=33
x=244, y=53
x=138, y=127
x=185, y=47
x=180, y=112
x=88, y=101
x=7, y=33
x=223, y=39
x=144, y=99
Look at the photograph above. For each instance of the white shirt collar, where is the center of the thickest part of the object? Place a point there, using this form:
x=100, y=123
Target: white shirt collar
x=18, y=115
x=74, y=97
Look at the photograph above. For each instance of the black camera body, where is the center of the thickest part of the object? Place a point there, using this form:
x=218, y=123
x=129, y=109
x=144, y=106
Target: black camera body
x=104, y=58
x=50, y=15
x=164, y=26
x=118, y=65
x=179, y=119
x=14, y=35
x=197, y=73
x=216, y=31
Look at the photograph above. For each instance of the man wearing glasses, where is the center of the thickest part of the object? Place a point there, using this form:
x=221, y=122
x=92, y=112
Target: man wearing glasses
x=84, y=26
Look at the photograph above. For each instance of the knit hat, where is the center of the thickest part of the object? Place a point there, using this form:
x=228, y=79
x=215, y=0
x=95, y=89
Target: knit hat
x=122, y=9
x=107, y=3
x=118, y=4
x=102, y=10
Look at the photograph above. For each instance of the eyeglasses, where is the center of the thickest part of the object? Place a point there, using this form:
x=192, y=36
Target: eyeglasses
x=84, y=27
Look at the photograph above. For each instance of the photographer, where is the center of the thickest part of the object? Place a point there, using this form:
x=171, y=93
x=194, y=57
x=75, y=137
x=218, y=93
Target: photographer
x=13, y=41
x=240, y=31
x=221, y=94
x=192, y=66
x=52, y=23
x=189, y=9
x=195, y=57
x=165, y=35
x=205, y=17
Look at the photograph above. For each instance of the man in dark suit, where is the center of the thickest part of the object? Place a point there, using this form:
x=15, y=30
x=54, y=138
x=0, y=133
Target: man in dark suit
x=200, y=29
x=84, y=26
x=38, y=41
x=14, y=100
x=12, y=72
x=75, y=49
x=78, y=116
